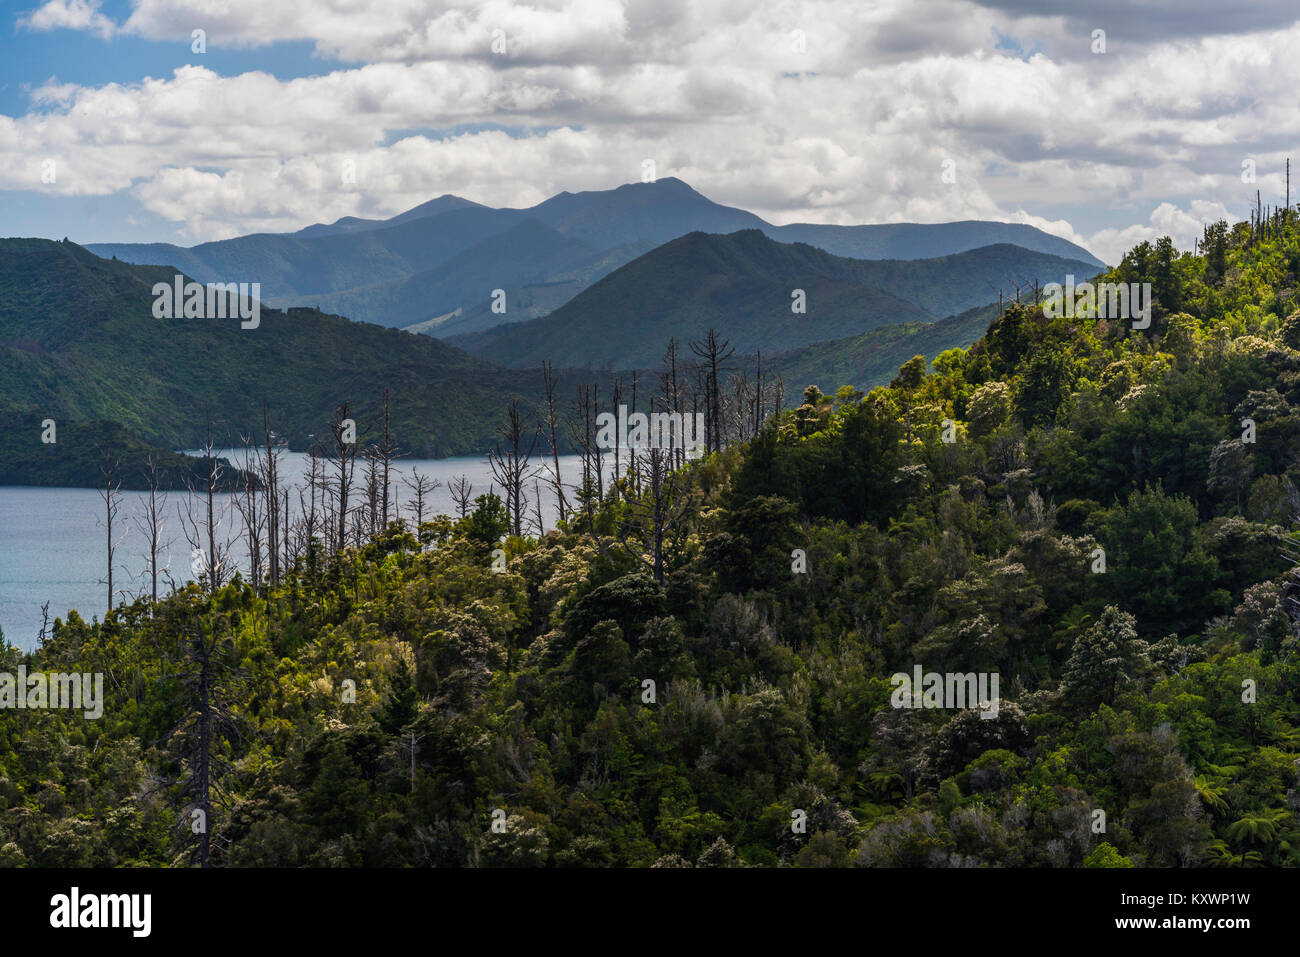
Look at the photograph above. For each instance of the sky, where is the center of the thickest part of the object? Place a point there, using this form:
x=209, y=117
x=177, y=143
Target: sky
x=1105, y=123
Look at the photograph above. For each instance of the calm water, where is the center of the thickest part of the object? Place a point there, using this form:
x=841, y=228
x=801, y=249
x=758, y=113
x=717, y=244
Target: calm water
x=53, y=547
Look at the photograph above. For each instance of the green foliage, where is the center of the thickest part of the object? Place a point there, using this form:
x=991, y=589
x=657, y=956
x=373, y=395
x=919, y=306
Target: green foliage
x=597, y=717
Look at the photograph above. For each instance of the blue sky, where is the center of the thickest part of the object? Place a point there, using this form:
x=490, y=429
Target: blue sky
x=823, y=111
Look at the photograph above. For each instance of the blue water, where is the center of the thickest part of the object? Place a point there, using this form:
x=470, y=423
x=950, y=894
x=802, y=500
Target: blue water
x=53, y=545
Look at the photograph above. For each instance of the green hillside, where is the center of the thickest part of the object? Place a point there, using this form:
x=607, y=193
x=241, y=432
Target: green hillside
x=79, y=344
x=873, y=358
x=742, y=285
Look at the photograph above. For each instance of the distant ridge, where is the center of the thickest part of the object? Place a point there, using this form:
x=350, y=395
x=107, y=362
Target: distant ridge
x=741, y=284
x=387, y=271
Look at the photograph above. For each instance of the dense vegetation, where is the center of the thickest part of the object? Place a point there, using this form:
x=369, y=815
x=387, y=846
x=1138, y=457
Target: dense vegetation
x=1162, y=691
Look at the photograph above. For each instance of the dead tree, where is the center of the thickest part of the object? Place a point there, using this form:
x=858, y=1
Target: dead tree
x=211, y=521
x=510, y=467
x=585, y=437
x=550, y=419
x=210, y=679
x=422, y=487
x=670, y=391
x=387, y=452
x=343, y=429
x=316, y=486
x=248, y=504
x=617, y=396
x=654, y=515
x=269, y=473
x=462, y=493
x=537, y=504
x=374, y=468
x=111, y=496
x=152, y=523
x=598, y=453
x=714, y=353
x=632, y=448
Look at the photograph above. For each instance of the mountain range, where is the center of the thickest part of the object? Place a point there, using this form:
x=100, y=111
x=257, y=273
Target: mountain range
x=436, y=266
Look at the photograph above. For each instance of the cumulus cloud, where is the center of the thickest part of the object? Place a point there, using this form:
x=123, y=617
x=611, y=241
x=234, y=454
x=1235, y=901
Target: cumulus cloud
x=801, y=110
x=1183, y=226
x=69, y=15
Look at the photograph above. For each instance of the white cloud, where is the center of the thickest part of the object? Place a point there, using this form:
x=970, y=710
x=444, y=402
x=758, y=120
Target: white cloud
x=854, y=124
x=1184, y=227
x=69, y=15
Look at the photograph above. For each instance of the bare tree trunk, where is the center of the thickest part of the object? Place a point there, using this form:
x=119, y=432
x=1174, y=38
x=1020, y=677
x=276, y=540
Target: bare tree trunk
x=112, y=504
x=246, y=501
x=657, y=511
x=343, y=429
x=596, y=451
x=510, y=468
x=199, y=530
x=151, y=526
x=586, y=442
x=271, y=478
x=387, y=452
x=462, y=494
x=715, y=353
x=421, y=487
x=618, y=441
x=552, y=426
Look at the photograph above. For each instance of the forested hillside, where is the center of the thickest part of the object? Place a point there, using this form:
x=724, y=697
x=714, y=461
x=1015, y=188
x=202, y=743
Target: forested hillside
x=695, y=670
x=762, y=295
x=79, y=344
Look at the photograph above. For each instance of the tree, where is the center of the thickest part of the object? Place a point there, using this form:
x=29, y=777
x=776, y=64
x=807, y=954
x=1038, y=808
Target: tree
x=655, y=513
x=715, y=353
x=387, y=451
x=210, y=679
x=343, y=429
x=1105, y=855
x=1158, y=566
x=151, y=524
x=207, y=528
x=1108, y=658
x=551, y=421
x=988, y=408
x=510, y=467
x=461, y=491
x=422, y=487
x=401, y=705
x=910, y=376
x=249, y=505
x=111, y=496
x=489, y=522
x=269, y=473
